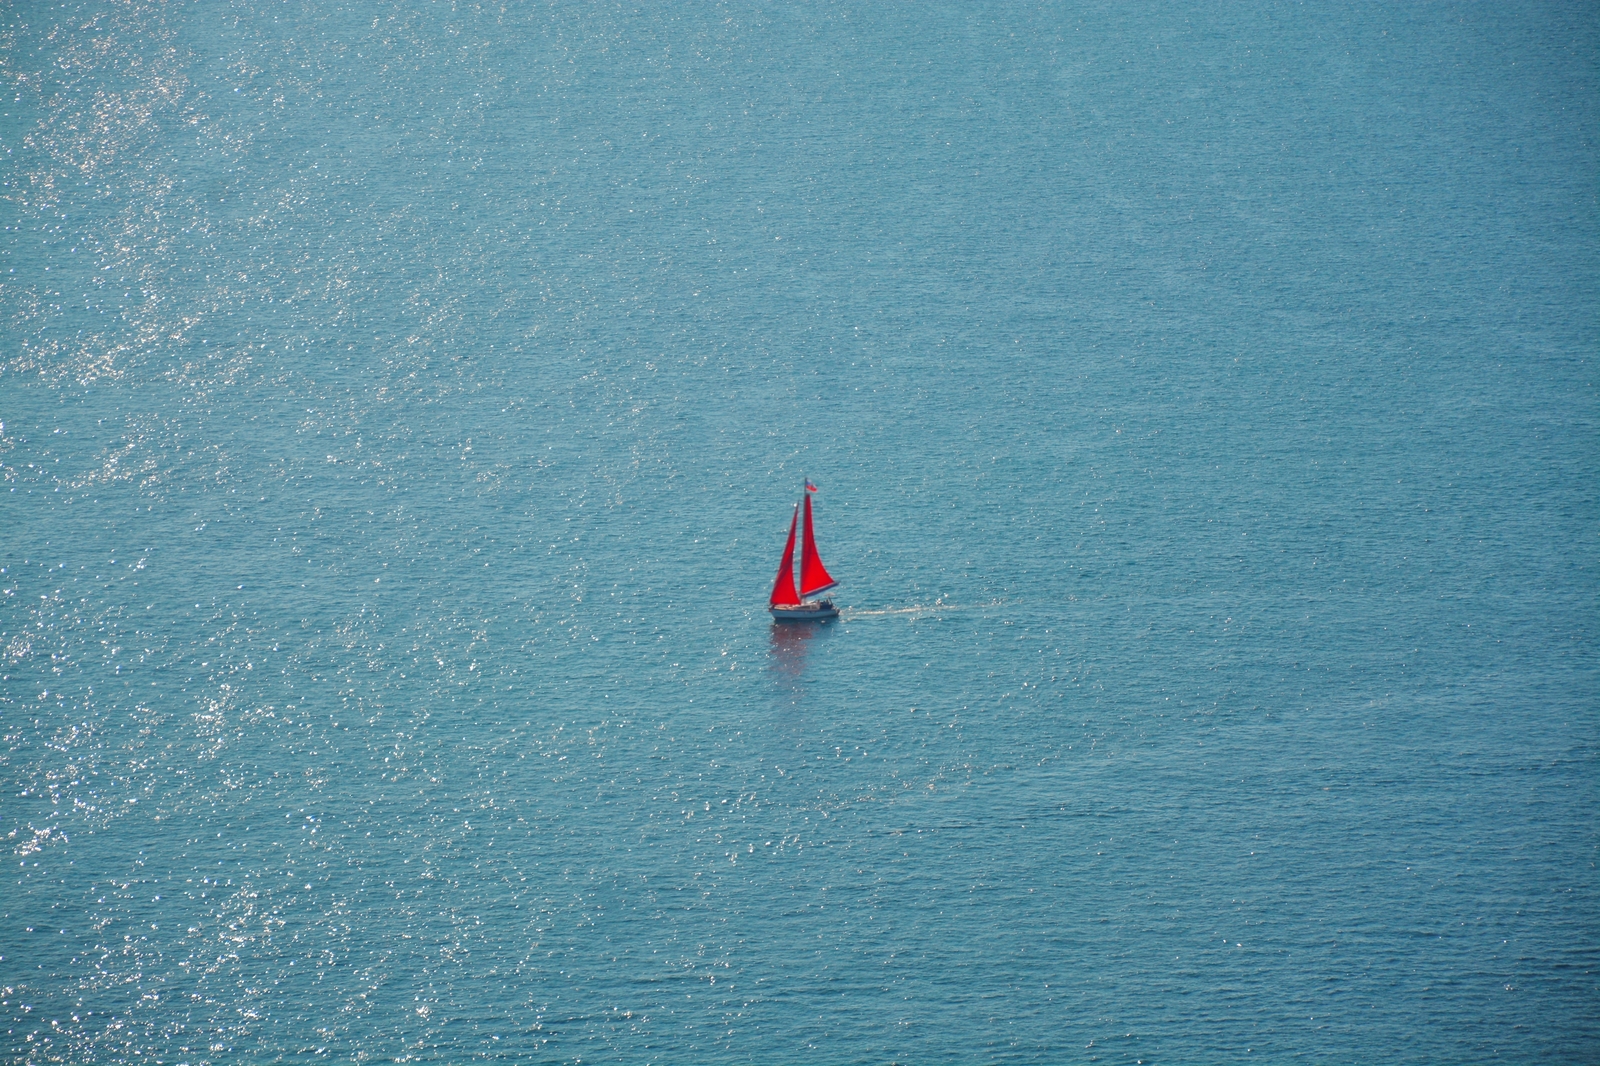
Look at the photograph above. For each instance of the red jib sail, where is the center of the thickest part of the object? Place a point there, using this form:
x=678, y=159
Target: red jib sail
x=814, y=576
x=783, y=593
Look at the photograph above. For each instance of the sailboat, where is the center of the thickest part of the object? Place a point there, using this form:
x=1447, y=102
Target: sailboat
x=790, y=603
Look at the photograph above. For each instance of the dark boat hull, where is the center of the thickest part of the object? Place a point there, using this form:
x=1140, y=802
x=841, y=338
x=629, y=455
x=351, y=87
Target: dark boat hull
x=815, y=611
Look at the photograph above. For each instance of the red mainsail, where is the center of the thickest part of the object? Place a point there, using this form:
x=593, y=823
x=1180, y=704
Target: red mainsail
x=814, y=576
x=783, y=593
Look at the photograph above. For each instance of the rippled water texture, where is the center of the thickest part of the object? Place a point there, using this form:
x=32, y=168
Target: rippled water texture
x=402, y=411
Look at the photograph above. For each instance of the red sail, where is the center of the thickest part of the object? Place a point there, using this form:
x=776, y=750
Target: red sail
x=783, y=593
x=813, y=575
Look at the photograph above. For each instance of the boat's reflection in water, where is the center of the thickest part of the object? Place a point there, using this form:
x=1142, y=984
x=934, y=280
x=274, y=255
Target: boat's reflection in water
x=790, y=647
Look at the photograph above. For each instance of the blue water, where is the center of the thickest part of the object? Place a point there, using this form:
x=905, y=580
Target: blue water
x=401, y=409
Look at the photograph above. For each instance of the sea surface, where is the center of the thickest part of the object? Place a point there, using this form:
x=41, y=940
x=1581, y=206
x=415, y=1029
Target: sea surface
x=402, y=407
